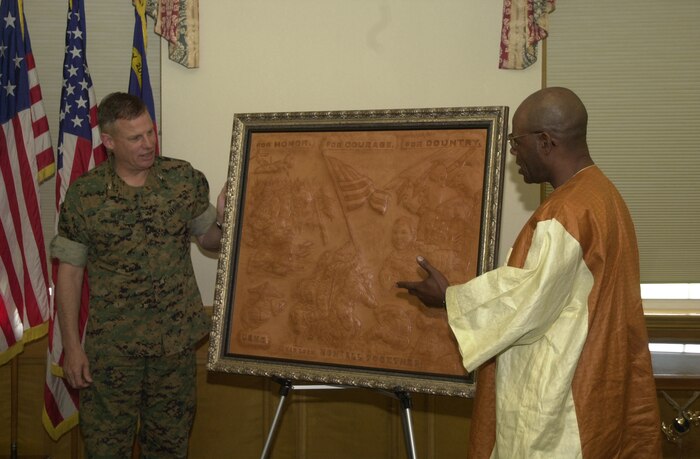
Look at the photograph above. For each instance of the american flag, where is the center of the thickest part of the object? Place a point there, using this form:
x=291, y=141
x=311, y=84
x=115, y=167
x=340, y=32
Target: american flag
x=26, y=157
x=139, y=80
x=79, y=150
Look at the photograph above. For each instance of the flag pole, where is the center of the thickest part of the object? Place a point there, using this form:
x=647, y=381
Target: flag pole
x=14, y=414
x=74, y=439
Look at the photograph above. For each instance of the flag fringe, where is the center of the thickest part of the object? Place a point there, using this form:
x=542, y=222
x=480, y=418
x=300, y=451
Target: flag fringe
x=62, y=428
x=57, y=370
x=31, y=334
x=46, y=173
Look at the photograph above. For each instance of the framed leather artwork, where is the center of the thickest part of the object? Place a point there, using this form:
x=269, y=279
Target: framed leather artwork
x=325, y=212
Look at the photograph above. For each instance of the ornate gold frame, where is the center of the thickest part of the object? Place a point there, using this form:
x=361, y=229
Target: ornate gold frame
x=254, y=136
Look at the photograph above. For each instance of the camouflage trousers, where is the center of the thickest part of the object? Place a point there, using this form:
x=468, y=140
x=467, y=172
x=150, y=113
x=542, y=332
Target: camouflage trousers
x=157, y=395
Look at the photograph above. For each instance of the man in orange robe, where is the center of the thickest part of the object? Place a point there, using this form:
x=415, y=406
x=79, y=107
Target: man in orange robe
x=558, y=334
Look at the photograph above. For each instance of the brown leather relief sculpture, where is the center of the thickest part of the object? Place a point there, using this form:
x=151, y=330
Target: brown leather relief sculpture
x=327, y=222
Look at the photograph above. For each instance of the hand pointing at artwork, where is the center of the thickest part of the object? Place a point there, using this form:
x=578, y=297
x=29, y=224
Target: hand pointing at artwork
x=431, y=290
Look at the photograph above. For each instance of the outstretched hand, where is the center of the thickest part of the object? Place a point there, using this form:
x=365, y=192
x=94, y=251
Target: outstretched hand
x=431, y=290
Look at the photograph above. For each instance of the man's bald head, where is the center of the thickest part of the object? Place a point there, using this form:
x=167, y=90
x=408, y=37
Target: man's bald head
x=549, y=129
x=557, y=111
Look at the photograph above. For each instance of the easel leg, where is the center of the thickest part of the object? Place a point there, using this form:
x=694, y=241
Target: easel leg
x=285, y=387
x=406, y=404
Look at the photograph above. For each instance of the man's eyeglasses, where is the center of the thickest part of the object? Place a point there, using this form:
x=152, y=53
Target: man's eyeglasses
x=511, y=137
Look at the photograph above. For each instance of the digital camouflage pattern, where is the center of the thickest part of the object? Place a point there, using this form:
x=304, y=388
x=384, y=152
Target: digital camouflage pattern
x=135, y=243
x=161, y=388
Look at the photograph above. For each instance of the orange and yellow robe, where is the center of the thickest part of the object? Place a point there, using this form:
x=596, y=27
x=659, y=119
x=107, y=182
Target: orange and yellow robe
x=559, y=335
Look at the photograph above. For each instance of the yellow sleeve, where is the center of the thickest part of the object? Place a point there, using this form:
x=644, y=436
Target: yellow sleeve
x=512, y=306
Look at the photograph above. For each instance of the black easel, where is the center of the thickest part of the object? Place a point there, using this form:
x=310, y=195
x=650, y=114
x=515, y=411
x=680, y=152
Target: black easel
x=286, y=386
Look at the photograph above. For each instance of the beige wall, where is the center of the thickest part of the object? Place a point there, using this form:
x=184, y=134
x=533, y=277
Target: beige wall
x=281, y=55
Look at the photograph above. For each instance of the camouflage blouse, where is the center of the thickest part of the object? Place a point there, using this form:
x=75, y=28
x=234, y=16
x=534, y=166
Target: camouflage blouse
x=135, y=242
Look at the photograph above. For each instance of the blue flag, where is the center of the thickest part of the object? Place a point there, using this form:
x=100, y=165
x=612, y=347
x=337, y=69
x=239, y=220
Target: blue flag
x=139, y=80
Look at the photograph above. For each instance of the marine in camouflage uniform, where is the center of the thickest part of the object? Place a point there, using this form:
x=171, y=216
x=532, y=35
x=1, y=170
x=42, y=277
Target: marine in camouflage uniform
x=146, y=312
